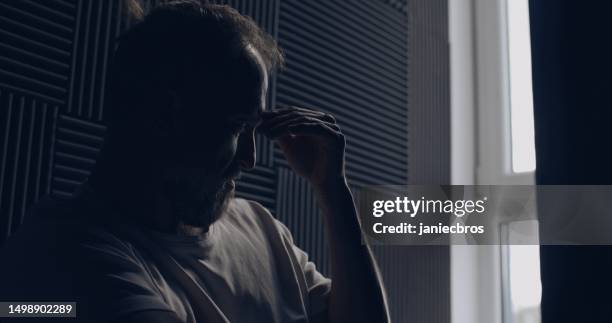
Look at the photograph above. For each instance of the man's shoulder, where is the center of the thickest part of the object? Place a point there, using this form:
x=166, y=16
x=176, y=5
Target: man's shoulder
x=59, y=228
x=47, y=221
x=37, y=260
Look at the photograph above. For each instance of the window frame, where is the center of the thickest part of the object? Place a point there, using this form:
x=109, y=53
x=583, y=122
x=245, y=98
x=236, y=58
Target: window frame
x=480, y=153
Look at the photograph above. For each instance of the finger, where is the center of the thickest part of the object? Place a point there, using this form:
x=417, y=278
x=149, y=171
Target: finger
x=270, y=120
x=315, y=129
x=295, y=107
x=324, y=115
x=289, y=110
x=272, y=115
x=273, y=123
x=282, y=106
x=299, y=119
x=285, y=129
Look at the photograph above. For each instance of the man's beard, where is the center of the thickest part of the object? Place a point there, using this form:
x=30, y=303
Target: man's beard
x=195, y=206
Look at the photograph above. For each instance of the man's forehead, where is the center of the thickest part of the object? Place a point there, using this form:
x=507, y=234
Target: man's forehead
x=245, y=67
x=246, y=86
x=255, y=57
x=240, y=104
x=233, y=87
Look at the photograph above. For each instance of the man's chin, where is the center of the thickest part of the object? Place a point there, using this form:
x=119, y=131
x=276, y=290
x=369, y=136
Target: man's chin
x=210, y=211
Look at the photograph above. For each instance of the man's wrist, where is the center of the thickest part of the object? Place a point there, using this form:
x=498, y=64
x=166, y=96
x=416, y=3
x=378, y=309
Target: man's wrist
x=334, y=196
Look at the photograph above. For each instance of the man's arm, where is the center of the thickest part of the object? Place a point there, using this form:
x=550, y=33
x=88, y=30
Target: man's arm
x=357, y=293
x=314, y=146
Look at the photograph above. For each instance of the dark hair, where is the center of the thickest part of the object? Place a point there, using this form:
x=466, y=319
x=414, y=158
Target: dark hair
x=160, y=52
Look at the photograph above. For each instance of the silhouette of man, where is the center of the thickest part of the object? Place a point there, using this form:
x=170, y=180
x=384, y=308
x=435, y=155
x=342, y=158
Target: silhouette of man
x=155, y=234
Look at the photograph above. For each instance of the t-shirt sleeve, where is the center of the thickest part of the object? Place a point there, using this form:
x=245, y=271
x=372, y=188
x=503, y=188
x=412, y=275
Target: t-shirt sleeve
x=319, y=286
x=114, y=282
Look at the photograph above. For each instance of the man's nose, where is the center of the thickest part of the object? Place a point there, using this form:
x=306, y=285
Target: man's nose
x=247, y=151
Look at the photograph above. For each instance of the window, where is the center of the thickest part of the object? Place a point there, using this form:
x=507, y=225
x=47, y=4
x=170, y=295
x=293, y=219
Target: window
x=521, y=285
x=492, y=131
x=521, y=94
x=524, y=283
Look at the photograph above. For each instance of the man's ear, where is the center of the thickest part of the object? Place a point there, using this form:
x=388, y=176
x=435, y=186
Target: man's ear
x=160, y=125
x=166, y=122
x=175, y=107
x=164, y=126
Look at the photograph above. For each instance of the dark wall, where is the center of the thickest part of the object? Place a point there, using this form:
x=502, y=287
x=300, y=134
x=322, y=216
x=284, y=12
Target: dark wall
x=350, y=58
x=572, y=68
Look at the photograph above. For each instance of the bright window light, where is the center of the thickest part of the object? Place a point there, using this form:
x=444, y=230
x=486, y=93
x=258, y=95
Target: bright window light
x=525, y=285
x=522, y=285
x=521, y=94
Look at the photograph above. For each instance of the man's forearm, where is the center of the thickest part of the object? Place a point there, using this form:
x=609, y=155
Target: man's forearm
x=357, y=292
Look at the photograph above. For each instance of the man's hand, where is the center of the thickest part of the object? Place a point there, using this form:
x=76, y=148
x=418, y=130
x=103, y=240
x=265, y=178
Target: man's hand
x=310, y=140
x=314, y=147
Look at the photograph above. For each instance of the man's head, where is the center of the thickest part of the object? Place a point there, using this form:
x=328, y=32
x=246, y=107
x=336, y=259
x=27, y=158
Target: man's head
x=185, y=91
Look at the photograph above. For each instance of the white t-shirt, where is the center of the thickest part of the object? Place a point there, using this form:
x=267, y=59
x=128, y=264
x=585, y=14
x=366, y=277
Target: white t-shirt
x=247, y=264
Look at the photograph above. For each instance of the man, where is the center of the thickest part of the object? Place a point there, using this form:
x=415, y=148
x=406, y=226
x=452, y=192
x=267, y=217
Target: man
x=155, y=235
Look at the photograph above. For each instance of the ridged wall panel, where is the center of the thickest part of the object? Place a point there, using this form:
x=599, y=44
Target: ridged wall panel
x=94, y=39
x=297, y=208
x=26, y=136
x=349, y=59
x=36, y=48
x=76, y=146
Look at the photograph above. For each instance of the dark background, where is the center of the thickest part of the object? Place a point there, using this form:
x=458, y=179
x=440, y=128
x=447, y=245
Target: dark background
x=572, y=68
x=380, y=66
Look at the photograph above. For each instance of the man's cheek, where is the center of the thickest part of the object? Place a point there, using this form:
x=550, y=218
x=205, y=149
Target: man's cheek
x=226, y=154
